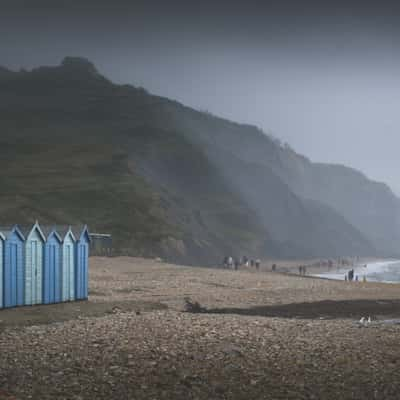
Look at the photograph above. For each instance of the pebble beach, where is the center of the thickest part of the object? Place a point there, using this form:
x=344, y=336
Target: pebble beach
x=256, y=335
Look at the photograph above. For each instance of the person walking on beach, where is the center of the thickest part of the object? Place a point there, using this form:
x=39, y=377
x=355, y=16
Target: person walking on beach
x=258, y=262
x=351, y=275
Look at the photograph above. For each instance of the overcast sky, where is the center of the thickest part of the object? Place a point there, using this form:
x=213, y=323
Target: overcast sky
x=326, y=79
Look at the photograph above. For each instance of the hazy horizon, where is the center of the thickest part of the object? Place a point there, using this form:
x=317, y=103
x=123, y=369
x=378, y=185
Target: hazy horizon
x=323, y=78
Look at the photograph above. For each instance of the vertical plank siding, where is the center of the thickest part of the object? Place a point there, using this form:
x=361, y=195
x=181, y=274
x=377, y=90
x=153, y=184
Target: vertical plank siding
x=13, y=270
x=82, y=255
x=68, y=268
x=52, y=270
x=34, y=248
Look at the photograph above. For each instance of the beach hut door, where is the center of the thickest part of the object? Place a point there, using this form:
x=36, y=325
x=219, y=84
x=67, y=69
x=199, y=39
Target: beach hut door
x=36, y=273
x=13, y=275
x=68, y=277
x=34, y=270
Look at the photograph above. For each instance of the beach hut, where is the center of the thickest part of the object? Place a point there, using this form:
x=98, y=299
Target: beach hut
x=2, y=239
x=14, y=267
x=34, y=249
x=68, y=264
x=82, y=263
x=52, y=274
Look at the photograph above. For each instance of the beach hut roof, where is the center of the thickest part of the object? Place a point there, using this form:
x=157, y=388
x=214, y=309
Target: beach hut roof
x=27, y=230
x=80, y=230
x=64, y=230
x=49, y=230
x=8, y=230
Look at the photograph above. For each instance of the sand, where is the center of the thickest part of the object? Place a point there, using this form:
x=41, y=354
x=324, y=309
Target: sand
x=260, y=336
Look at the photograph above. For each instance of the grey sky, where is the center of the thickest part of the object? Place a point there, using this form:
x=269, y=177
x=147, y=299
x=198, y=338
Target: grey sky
x=324, y=78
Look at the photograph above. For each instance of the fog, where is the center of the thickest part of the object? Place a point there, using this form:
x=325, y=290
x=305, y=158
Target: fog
x=325, y=79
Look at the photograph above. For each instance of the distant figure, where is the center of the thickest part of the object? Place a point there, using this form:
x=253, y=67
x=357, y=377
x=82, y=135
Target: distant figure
x=273, y=267
x=237, y=263
x=258, y=262
x=225, y=262
x=351, y=275
x=356, y=278
x=345, y=277
x=252, y=263
x=300, y=270
x=230, y=262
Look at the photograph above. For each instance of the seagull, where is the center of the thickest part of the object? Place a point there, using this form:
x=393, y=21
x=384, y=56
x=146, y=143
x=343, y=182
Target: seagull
x=369, y=320
x=362, y=320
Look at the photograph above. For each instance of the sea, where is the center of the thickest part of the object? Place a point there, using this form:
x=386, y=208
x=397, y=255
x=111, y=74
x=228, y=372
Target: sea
x=377, y=271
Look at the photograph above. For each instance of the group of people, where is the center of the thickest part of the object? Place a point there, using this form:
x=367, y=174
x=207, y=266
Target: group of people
x=302, y=270
x=350, y=276
x=340, y=262
x=234, y=262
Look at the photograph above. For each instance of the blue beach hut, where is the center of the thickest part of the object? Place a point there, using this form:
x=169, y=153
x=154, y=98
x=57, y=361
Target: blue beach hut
x=82, y=263
x=2, y=239
x=68, y=264
x=14, y=267
x=52, y=274
x=34, y=249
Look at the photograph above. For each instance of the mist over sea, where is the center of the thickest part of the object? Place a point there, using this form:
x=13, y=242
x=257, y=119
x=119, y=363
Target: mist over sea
x=378, y=271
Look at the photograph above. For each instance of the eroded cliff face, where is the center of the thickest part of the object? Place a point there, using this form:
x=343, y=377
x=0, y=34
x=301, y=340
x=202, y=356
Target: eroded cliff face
x=167, y=180
x=370, y=207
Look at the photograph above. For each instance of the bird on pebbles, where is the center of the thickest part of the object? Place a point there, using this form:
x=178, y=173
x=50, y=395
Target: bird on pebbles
x=364, y=321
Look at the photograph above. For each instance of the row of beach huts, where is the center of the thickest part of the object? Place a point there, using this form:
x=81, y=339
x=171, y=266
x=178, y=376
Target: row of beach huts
x=43, y=265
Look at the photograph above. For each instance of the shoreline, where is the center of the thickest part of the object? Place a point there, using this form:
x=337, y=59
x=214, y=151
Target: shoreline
x=370, y=271
x=374, y=269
